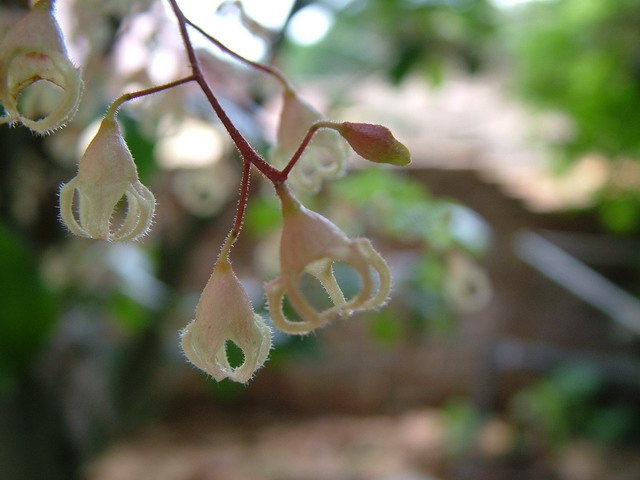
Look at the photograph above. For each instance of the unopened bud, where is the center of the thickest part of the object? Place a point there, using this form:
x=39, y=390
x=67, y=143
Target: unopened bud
x=375, y=143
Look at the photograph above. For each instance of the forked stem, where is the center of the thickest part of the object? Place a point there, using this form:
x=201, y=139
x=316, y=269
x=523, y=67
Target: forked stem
x=246, y=150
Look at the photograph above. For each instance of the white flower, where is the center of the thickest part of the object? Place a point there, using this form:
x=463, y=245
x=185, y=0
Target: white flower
x=106, y=173
x=224, y=313
x=32, y=50
x=324, y=157
x=467, y=285
x=310, y=243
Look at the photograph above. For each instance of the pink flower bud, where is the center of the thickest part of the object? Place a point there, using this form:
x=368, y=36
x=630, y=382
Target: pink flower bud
x=324, y=157
x=106, y=173
x=224, y=313
x=375, y=143
x=33, y=50
x=310, y=243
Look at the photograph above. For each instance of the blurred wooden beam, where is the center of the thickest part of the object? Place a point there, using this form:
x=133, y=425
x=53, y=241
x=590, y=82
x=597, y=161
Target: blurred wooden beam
x=579, y=279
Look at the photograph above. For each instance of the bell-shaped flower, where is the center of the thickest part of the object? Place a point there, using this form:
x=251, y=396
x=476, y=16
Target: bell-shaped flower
x=32, y=50
x=312, y=244
x=325, y=156
x=106, y=174
x=467, y=285
x=224, y=313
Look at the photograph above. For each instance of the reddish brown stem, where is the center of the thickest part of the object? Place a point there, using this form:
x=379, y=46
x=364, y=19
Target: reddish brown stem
x=147, y=91
x=258, y=66
x=246, y=150
x=304, y=144
x=242, y=201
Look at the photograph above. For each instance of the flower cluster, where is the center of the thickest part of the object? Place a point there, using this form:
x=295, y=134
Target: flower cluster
x=309, y=244
x=31, y=51
x=308, y=151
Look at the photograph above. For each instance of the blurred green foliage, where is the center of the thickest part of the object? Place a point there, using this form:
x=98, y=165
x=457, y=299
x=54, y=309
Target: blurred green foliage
x=28, y=309
x=141, y=147
x=620, y=213
x=397, y=205
x=572, y=402
x=399, y=37
x=583, y=58
x=463, y=422
x=262, y=215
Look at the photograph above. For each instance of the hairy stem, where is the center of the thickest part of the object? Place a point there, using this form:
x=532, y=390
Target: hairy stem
x=242, y=201
x=304, y=144
x=237, y=224
x=273, y=71
x=117, y=103
x=246, y=150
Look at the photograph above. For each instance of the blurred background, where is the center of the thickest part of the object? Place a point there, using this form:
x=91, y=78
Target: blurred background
x=510, y=347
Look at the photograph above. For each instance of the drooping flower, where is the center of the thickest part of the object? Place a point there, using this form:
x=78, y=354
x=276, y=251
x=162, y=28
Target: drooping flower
x=467, y=285
x=33, y=50
x=106, y=174
x=224, y=313
x=312, y=244
x=324, y=157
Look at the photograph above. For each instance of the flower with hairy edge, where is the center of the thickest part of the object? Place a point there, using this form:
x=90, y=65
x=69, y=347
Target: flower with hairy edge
x=310, y=243
x=324, y=157
x=33, y=50
x=224, y=313
x=106, y=173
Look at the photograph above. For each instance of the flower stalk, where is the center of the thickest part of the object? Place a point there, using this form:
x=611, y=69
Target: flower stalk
x=309, y=150
x=246, y=150
x=117, y=103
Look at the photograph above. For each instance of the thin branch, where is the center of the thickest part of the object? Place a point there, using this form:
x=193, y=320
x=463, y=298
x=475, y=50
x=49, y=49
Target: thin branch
x=258, y=66
x=242, y=201
x=304, y=144
x=246, y=150
x=223, y=257
x=117, y=103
